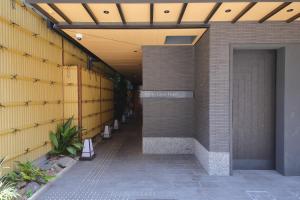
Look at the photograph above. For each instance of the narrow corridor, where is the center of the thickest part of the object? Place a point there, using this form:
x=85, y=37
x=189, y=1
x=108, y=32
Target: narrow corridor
x=121, y=172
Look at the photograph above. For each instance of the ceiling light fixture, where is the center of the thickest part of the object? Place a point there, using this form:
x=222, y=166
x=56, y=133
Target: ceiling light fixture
x=290, y=10
x=106, y=12
x=228, y=10
x=166, y=11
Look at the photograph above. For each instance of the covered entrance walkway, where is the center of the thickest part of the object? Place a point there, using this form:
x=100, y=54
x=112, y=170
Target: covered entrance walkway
x=120, y=171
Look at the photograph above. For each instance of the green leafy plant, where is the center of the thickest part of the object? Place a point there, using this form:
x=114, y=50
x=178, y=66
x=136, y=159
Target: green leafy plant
x=7, y=190
x=29, y=193
x=27, y=172
x=65, y=140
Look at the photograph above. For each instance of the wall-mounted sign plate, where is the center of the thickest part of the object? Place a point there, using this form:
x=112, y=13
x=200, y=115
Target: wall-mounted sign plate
x=167, y=94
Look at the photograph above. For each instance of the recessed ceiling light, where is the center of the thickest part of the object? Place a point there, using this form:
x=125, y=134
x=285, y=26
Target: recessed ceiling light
x=106, y=12
x=290, y=10
x=228, y=10
x=166, y=11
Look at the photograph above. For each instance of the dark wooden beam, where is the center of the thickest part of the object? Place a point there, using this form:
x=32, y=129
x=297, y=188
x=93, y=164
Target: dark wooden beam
x=90, y=12
x=43, y=12
x=182, y=13
x=148, y=1
x=121, y=13
x=293, y=18
x=273, y=12
x=243, y=12
x=131, y=26
x=59, y=12
x=212, y=12
x=151, y=12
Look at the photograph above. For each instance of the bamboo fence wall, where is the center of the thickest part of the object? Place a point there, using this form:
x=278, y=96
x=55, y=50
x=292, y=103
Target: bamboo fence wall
x=107, y=100
x=91, y=105
x=88, y=96
x=36, y=91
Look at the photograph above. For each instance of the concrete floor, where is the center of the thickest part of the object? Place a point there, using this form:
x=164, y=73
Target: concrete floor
x=121, y=172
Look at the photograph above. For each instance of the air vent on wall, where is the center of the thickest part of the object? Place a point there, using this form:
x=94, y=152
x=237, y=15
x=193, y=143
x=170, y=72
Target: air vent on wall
x=189, y=39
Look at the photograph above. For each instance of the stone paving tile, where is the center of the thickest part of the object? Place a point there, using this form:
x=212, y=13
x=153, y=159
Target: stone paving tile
x=121, y=172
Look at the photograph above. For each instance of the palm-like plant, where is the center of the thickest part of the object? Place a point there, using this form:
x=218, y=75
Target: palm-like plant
x=7, y=190
x=65, y=140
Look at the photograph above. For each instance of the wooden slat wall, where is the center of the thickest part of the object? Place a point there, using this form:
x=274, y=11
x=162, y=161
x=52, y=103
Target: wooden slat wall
x=73, y=55
x=107, y=107
x=70, y=80
x=91, y=107
x=36, y=92
x=31, y=86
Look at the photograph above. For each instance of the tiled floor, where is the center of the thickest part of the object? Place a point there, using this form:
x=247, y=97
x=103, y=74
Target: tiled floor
x=121, y=172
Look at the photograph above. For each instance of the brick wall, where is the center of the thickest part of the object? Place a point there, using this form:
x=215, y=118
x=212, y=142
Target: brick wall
x=202, y=90
x=168, y=68
x=221, y=36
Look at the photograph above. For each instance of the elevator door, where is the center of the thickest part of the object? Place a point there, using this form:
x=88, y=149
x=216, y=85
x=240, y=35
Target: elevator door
x=254, y=109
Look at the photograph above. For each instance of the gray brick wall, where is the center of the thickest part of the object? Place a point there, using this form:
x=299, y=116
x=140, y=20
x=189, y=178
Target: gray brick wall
x=202, y=90
x=168, y=68
x=168, y=117
x=221, y=36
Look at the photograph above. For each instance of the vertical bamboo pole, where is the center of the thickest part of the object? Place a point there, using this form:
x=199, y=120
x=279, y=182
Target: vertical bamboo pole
x=79, y=87
x=63, y=80
x=101, y=120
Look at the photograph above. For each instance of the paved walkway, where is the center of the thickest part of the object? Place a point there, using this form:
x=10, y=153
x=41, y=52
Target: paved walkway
x=121, y=172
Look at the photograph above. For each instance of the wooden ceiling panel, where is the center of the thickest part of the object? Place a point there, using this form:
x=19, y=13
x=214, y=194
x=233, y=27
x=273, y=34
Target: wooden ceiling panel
x=124, y=47
x=136, y=12
x=193, y=14
x=106, y=12
x=167, y=12
x=51, y=12
x=286, y=13
x=75, y=12
x=228, y=11
x=260, y=10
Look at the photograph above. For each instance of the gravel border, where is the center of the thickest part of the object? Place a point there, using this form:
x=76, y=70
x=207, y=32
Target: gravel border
x=36, y=195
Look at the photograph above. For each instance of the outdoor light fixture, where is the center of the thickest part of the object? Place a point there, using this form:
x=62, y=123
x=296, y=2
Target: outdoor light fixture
x=228, y=10
x=166, y=11
x=290, y=10
x=106, y=12
x=88, y=150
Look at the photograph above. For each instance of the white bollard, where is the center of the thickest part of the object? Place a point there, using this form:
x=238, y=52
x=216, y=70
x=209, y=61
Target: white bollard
x=116, y=124
x=107, y=132
x=88, y=150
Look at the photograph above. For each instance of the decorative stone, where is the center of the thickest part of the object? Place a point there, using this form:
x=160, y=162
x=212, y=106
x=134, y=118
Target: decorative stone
x=31, y=187
x=65, y=161
x=21, y=185
x=46, y=165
